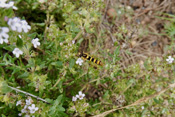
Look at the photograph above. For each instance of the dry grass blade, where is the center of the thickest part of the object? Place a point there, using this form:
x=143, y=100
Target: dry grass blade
x=138, y=102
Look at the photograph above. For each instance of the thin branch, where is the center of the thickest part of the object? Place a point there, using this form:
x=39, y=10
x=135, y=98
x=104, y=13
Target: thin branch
x=38, y=98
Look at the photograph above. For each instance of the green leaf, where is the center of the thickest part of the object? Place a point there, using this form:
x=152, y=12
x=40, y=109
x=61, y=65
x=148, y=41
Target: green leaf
x=5, y=88
x=60, y=108
x=156, y=101
x=33, y=35
x=58, y=63
x=131, y=81
x=2, y=115
x=58, y=100
x=9, y=48
x=24, y=75
x=19, y=42
x=2, y=64
x=15, y=70
x=117, y=51
x=71, y=63
x=40, y=24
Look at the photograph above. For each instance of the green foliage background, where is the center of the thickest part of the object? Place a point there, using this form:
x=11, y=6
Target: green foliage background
x=50, y=71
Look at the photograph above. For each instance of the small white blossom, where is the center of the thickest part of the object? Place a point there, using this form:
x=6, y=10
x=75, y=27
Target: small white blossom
x=3, y=4
x=19, y=114
x=73, y=41
x=27, y=116
x=24, y=111
x=32, y=108
x=143, y=107
x=28, y=101
x=128, y=7
x=3, y=35
x=74, y=98
x=119, y=12
x=80, y=96
x=61, y=44
x=18, y=103
x=6, y=40
x=35, y=42
x=16, y=24
x=17, y=52
x=26, y=106
x=41, y=1
x=79, y=61
x=25, y=26
x=170, y=59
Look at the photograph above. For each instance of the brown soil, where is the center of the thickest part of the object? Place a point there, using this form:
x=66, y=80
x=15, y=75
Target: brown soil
x=144, y=28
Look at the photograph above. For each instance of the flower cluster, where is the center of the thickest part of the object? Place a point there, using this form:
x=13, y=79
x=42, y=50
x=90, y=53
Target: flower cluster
x=16, y=24
x=79, y=96
x=170, y=59
x=3, y=35
x=28, y=109
x=3, y=4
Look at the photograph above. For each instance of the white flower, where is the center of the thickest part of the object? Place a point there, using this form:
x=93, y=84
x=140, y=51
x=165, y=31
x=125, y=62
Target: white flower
x=80, y=96
x=28, y=101
x=170, y=59
x=27, y=116
x=25, y=26
x=3, y=4
x=73, y=41
x=128, y=7
x=26, y=106
x=79, y=61
x=16, y=24
x=3, y=35
x=143, y=107
x=18, y=103
x=61, y=44
x=6, y=40
x=74, y=98
x=32, y=108
x=24, y=111
x=41, y=1
x=35, y=42
x=119, y=12
x=19, y=114
x=17, y=52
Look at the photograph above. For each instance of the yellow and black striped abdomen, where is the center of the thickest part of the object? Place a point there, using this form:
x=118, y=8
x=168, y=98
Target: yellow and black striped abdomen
x=87, y=57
